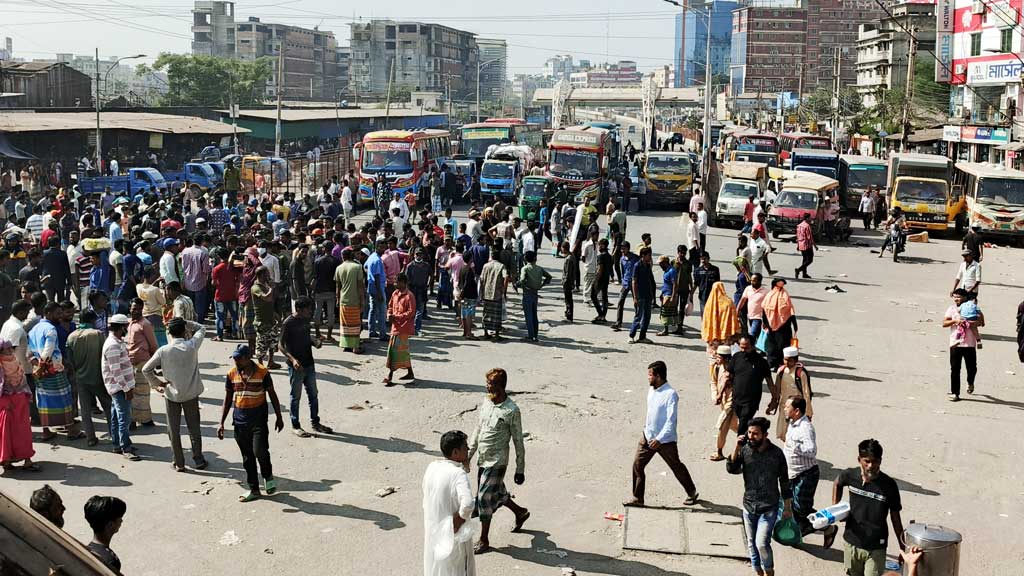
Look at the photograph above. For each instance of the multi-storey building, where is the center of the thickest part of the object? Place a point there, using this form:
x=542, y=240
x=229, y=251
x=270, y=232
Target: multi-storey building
x=309, y=58
x=883, y=49
x=213, y=28
x=767, y=47
x=986, y=79
x=493, y=68
x=416, y=55
x=622, y=73
x=559, y=67
x=691, y=35
x=832, y=27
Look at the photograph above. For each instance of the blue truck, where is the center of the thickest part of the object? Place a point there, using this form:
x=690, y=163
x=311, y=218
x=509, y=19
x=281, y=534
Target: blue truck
x=199, y=176
x=136, y=181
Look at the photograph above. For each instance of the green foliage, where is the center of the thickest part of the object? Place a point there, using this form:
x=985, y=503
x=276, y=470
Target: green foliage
x=211, y=81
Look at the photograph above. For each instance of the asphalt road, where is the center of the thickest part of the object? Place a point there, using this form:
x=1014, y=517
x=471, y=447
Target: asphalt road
x=877, y=352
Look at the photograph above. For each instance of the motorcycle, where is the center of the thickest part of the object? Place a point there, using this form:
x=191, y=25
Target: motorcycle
x=898, y=238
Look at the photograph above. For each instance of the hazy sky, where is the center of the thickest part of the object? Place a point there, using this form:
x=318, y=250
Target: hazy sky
x=535, y=30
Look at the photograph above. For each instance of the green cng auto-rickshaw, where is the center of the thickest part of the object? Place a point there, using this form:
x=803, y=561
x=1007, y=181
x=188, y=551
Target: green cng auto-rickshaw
x=533, y=195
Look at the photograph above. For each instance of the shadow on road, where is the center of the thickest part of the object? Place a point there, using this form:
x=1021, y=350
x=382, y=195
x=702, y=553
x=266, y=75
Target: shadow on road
x=581, y=561
x=73, y=475
x=396, y=445
x=383, y=520
x=830, y=473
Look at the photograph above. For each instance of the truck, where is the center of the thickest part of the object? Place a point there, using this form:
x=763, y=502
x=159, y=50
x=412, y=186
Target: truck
x=668, y=177
x=741, y=181
x=503, y=169
x=199, y=177
x=579, y=158
x=822, y=162
x=858, y=174
x=919, y=185
x=136, y=181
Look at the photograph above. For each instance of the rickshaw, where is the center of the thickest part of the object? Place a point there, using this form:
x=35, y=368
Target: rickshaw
x=534, y=195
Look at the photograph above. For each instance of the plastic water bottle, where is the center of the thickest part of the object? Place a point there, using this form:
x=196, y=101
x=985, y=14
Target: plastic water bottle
x=829, y=516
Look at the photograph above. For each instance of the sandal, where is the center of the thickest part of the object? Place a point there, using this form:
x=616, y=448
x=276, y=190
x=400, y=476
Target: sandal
x=76, y=435
x=31, y=467
x=830, y=536
x=691, y=500
x=47, y=437
x=520, y=520
x=270, y=486
x=716, y=457
x=481, y=548
x=249, y=496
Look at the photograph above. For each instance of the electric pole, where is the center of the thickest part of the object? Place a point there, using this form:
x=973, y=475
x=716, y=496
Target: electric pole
x=99, y=144
x=799, y=94
x=908, y=91
x=448, y=97
x=836, y=68
x=757, y=119
x=387, y=106
x=280, y=92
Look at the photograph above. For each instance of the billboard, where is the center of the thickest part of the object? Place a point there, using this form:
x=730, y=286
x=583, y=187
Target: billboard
x=944, y=40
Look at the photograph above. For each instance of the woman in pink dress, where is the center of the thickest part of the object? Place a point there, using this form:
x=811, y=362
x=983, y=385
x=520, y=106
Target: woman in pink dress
x=15, y=424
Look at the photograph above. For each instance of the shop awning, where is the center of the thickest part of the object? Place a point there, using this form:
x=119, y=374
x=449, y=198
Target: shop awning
x=9, y=151
x=1011, y=146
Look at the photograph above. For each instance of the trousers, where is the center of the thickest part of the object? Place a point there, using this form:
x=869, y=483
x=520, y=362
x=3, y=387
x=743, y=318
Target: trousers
x=567, y=294
x=669, y=452
x=965, y=355
x=195, y=432
x=253, y=439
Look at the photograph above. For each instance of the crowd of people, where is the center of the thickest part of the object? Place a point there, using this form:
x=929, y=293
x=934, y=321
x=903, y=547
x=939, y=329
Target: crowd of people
x=105, y=300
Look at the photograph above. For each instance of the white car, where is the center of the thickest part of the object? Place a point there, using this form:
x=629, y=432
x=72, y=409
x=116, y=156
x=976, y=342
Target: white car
x=732, y=199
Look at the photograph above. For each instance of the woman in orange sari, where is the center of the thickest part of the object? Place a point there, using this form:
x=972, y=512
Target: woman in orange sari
x=721, y=324
x=778, y=320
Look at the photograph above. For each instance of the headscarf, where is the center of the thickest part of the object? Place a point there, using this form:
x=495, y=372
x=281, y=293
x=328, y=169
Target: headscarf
x=720, y=319
x=778, y=308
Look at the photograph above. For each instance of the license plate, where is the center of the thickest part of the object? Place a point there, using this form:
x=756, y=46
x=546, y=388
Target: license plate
x=1004, y=226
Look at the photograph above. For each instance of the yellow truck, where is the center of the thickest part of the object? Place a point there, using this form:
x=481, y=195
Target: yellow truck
x=669, y=178
x=919, y=185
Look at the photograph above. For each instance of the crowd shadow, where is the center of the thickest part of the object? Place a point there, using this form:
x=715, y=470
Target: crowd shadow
x=376, y=445
x=990, y=399
x=837, y=376
x=292, y=504
x=453, y=386
x=581, y=561
x=829, y=473
x=75, y=475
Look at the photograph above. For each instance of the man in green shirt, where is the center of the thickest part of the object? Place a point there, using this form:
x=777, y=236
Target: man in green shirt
x=232, y=181
x=532, y=278
x=268, y=329
x=351, y=281
x=500, y=421
x=82, y=361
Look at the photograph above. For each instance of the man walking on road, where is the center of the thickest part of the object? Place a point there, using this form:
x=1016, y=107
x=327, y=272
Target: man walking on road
x=532, y=278
x=763, y=466
x=119, y=378
x=643, y=297
x=448, y=496
x=660, y=437
x=801, y=450
x=963, y=349
x=873, y=497
x=500, y=422
x=599, y=288
x=83, y=359
x=297, y=347
x=181, y=386
x=805, y=244
x=747, y=370
x=627, y=265
x=248, y=385
x=968, y=276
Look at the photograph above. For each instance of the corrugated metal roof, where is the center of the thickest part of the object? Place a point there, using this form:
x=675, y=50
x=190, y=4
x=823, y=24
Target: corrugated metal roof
x=139, y=121
x=313, y=114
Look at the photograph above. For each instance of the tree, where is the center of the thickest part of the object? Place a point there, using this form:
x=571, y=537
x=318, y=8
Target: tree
x=211, y=81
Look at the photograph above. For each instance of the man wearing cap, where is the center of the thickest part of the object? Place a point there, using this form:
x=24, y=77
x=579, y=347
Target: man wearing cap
x=119, y=378
x=974, y=243
x=181, y=386
x=721, y=393
x=792, y=379
x=968, y=276
x=170, y=270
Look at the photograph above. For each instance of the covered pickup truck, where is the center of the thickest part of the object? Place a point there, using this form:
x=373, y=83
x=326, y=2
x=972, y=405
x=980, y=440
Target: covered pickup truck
x=503, y=169
x=136, y=181
x=742, y=180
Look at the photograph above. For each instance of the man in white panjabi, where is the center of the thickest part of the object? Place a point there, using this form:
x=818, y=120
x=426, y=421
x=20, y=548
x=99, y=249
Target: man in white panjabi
x=448, y=533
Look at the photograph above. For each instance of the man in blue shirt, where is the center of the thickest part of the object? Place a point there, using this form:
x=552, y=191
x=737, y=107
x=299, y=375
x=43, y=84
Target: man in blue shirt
x=627, y=263
x=660, y=437
x=376, y=281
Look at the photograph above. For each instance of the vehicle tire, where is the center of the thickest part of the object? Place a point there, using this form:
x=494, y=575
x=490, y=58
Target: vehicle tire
x=195, y=189
x=775, y=235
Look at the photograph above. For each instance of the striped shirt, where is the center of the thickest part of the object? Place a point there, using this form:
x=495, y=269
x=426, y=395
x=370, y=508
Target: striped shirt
x=249, y=394
x=801, y=447
x=116, y=366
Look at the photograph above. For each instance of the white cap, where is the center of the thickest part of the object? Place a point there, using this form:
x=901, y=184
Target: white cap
x=790, y=352
x=147, y=235
x=724, y=350
x=119, y=319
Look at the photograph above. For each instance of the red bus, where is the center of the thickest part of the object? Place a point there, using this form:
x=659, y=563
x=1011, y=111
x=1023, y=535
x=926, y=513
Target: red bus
x=792, y=140
x=475, y=139
x=754, y=141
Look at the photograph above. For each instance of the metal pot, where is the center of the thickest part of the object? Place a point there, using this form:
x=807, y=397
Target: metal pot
x=941, y=547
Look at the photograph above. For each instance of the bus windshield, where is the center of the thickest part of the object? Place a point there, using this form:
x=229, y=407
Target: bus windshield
x=813, y=143
x=921, y=191
x=674, y=165
x=574, y=163
x=864, y=176
x=794, y=199
x=822, y=170
x=1004, y=191
x=475, y=141
x=763, y=157
x=392, y=160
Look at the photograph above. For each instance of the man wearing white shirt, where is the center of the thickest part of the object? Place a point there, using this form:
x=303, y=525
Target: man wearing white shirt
x=702, y=226
x=590, y=262
x=403, y=208
x=758, y=249
x=114, y=167
x=447, y=509
x=968, y=276
x=660, y=436
x=346, y=200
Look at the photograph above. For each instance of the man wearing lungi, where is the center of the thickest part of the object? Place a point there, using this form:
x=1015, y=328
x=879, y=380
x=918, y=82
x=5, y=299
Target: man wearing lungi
x=500, y=421
x=493, y=286
x=351, y=281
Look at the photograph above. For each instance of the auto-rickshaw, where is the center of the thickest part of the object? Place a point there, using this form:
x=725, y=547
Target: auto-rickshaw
x=534, y=194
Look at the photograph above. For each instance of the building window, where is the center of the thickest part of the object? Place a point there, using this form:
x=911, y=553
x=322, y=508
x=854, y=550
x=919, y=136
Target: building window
x=976, y=44
x=1006, y=40
x=389, y=32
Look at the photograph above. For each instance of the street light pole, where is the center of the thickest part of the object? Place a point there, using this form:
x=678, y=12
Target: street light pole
x=705, y=140
x=99, y=143
x=479, y=66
